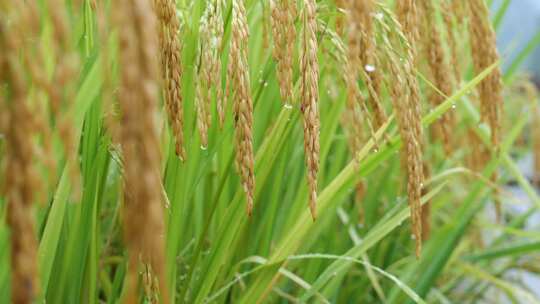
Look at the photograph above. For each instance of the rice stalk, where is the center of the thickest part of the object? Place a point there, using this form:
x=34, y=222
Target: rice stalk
x=239, y=84
x=309, y=91
x=138, y=101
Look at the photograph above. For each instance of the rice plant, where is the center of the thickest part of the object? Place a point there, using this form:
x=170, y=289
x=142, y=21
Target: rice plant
x=252, y=151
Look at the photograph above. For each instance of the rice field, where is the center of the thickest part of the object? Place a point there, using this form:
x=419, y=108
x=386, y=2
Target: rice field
x=252, y=151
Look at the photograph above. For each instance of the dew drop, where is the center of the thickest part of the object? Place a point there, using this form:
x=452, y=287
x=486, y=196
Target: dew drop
x=369, y=68
x=453, y=106
x=204, y=147
x=378, y=16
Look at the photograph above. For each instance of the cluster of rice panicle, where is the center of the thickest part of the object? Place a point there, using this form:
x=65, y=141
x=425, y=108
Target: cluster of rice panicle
x=450, y=14
x=284, y=32
x=309, y=91
x=405, y=97
x=440, y=72
x=484, y=54
x=239, y=85
x=138, y=101
x=171, y=69
x=209, y=77
x=211, y=35
x=355, y=100
x=20, y=177
x=411, y=153
x=369, y=60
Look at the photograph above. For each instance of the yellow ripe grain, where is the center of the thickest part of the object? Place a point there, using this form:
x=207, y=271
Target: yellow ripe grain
x=138, y=101
x=239, y=85
x=309, y=91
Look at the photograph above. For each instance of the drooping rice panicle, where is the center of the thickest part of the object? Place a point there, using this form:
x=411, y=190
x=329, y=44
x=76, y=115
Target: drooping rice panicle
x=309, y=92
x=138, y=101
x=408, y=112
x=411, y=151
x=213, y=36
x=171, y=69
x=239, y=84
x=284, y=32
x=209, y=76
x=440, y=72
x=20, y=177
x=449, y=17
x=353, y=113
x=369, y=61
x=484, y=54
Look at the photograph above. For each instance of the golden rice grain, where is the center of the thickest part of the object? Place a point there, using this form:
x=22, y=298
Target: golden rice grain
x=209, y=77
x=355, y=100
x=406, y=100
x=239, y=84
x=369, y=60
x=138, y=101
x=449, y=17
x=20, y=177
x=171, y=68
x=284, y=32
x=484, y=53
x=440, y=72
x=309, y=91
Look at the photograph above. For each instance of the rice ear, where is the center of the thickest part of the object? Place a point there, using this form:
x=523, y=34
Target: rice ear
x=484, y=54
x=440, y=72
x=171, y=69
x=239, y=84
x=309, y=91
x=20, y=176
x=284, y=32
x=138, y=101
x=408, y=112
